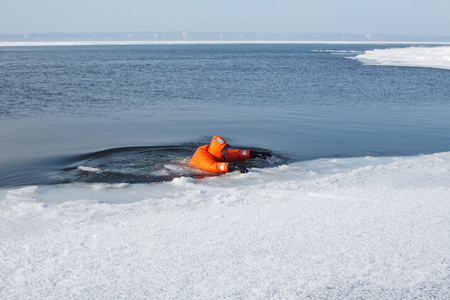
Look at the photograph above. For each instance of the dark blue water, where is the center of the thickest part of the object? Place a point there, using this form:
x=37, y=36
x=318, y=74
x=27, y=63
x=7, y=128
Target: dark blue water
x=131, y=110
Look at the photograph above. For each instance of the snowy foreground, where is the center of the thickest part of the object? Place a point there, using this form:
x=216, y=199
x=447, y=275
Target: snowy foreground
x=340, y=228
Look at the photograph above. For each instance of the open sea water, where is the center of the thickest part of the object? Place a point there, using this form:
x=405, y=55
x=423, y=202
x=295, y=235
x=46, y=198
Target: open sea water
x=137, y=113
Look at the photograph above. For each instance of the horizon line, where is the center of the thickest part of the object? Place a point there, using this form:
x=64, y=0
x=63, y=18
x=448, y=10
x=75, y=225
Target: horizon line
x=205, y=42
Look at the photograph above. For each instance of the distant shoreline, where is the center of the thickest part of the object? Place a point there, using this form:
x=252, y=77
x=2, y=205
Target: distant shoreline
x=188, y=38
x=117, y=43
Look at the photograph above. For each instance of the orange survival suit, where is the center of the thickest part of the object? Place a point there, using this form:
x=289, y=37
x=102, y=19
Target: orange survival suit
x=208, y=157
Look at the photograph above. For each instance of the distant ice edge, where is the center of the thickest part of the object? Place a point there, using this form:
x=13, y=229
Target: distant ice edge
x=427, y=57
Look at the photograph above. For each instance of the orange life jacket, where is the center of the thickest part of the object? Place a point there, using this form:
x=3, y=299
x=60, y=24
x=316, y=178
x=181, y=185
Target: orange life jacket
x=207, y=157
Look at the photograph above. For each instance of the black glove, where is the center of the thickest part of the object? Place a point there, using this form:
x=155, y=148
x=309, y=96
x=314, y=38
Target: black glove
x=263, y=155
x=235, y=167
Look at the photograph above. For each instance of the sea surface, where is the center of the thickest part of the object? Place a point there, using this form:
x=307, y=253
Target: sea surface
x=137, y=113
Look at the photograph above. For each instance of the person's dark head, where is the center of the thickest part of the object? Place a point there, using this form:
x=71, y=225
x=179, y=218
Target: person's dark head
x=223, y=153
x=216, y=147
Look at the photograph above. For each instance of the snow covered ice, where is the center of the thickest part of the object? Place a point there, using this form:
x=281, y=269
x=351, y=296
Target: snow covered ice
x=329, y=228
x=432, y=57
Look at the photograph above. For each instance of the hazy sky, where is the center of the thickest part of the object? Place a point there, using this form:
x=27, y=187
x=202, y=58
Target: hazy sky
x=408, y=17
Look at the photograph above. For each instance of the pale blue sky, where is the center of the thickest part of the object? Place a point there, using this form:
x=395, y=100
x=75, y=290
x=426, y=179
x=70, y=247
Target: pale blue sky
x=405, y=17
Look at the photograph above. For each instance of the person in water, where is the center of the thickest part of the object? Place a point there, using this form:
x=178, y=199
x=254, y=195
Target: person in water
x=217, y=156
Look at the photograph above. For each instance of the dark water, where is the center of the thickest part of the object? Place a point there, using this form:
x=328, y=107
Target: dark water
x=137, y=113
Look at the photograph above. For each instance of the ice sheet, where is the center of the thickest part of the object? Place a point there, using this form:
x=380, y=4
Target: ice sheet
x=329, y=228
x=431, y=57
